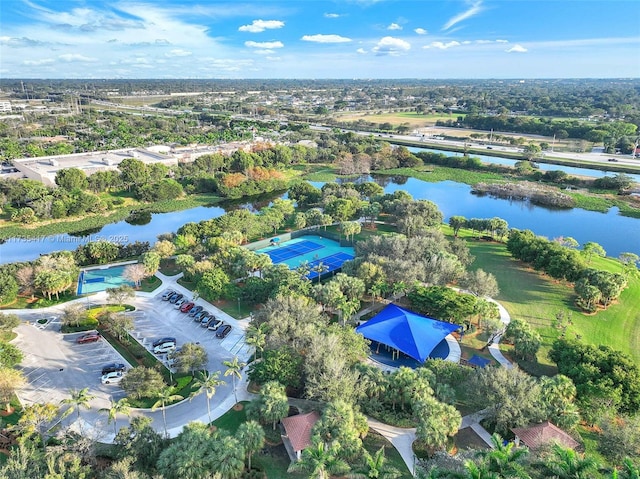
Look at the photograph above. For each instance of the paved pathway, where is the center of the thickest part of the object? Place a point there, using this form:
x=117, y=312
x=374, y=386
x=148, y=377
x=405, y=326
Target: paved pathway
x=494, y=347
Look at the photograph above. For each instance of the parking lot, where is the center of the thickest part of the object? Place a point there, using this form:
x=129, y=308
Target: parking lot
x=156, y=318
x=54, y=364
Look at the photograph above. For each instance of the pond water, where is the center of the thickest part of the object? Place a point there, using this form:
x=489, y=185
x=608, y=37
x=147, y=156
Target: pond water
x=570, y=170
x=616, y=234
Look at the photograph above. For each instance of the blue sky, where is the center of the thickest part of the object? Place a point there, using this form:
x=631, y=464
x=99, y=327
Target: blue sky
x=319, y=39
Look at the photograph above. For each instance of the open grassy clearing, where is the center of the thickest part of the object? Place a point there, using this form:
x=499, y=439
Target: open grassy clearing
x=537, y=299
x=413, y=119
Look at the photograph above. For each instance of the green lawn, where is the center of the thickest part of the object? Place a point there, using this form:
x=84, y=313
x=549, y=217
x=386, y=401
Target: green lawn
x=536, y=298
x=231, y=420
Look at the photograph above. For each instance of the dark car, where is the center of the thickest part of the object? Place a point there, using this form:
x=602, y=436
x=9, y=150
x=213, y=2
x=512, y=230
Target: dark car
x=88, y=338
x=223, y=331
x=200, y=315
x=175, y=297
x=160, y=341
x=186, y=307
x=195, y=310
x=612, y=159
x=113, y=368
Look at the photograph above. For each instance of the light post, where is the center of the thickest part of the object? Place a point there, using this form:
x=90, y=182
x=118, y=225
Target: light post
x=238, y=307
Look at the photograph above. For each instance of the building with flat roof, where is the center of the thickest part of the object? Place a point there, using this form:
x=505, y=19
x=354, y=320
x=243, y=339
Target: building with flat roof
x=45, y=168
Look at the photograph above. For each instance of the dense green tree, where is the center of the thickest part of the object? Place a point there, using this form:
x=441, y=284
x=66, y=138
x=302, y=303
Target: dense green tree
x=511, y=396
x=120, y=294
x=436, y=422
x=9, y=321
x=10, y=381
x=507, y=460
x=142, y=382
x=283, y=364
x=71, y=179
x=272, y=403
x=10, y=355
x=343, y=423
x=480, y=283
x=374, y=466
x=619, y=438
x=140, y=442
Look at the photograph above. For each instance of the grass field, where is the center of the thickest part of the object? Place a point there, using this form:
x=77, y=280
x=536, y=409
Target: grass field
x=410, y=118
x=537, y=299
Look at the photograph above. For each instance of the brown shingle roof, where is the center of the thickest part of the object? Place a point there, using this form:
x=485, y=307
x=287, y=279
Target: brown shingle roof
x=539, y=434
x=298, y=429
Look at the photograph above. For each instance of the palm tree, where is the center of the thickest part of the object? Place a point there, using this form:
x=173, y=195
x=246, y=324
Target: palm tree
x=257, y=337
x=568, y=464
x=164, y=396
x=630, y=471
x=228, y=459
x=375, y=467
x=320, y=461
x=303, y=268
x=120, y=406
x=319, y=269
x=251, y=435
x=234, y=369
x=78, y=398
x=505, y=460
x=479, y=471
x=207, y=382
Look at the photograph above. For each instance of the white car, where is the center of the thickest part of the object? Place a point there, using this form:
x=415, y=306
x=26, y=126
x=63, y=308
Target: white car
x=179, y=303
x=112, y=377
x=164, y=348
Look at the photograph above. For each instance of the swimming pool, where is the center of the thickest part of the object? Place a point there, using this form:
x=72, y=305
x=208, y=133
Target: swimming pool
x=312, y=249
x=100, y=279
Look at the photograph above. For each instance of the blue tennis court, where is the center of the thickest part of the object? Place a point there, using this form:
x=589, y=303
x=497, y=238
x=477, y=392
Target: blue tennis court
x=283, y=253
x=312, y=250
x=330, y=263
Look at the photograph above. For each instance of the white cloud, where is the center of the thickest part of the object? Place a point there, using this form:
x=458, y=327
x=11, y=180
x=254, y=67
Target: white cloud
x=443, y=46
x=517, y=49
x=325, y=38
x=258, y=26
x=420, y=31
x=178, y=52
x=474, y=9
x=391, y=46
x=76, y=57
x=265, y=51
x=394, y=26
x=264, y=45
x=502, y=41
x=361, y=51
x=332, y=15
x=44, y=61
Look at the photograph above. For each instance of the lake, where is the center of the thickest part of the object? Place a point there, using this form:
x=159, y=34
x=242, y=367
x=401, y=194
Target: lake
x=616, y=234
x=569, y=170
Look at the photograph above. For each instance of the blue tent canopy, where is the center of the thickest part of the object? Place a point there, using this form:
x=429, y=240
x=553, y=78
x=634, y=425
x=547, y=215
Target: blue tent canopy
x=406, y=331
x=479, y=361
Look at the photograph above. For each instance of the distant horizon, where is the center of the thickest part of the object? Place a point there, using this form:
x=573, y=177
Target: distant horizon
x=319, y=39
x=417, y=79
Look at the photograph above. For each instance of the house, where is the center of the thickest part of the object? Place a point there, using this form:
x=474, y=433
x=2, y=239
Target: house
x=297, y=432
x=538, y=435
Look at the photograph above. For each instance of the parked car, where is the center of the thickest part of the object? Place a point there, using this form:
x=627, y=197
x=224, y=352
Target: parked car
x=204, y=322
x=186, y=307
x=201, y=314
x=88, y=338
x=180, y=302
x=167, y=295
x=158, y=342
x=195, y=310
x=175, y=297
x=164, y=348
x=612, y=159
x=213, y=324
x=113, y=377
x=113, y=368
x=223, y=331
